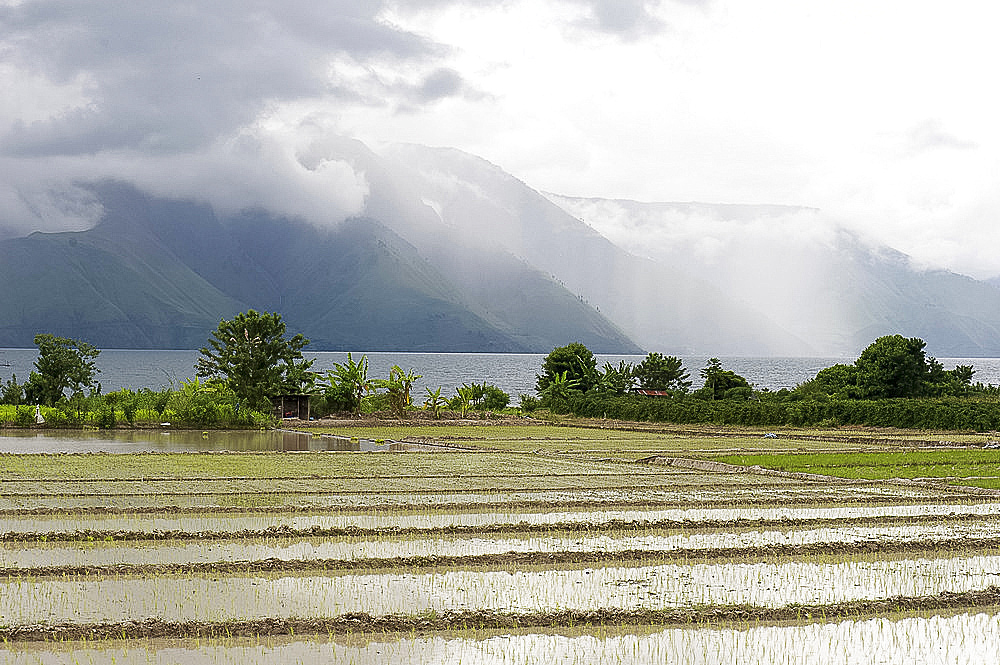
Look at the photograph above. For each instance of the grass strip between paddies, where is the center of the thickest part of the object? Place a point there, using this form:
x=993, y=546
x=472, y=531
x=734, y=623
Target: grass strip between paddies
x=359, y=622
x=92, y=535
x=962, y=546
x=951, y=463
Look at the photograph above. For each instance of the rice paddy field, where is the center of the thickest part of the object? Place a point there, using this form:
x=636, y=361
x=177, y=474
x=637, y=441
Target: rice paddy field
x=519, y=543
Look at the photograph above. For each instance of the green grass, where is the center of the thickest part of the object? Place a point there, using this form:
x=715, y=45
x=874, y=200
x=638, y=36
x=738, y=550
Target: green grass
x=595, y=438
x=961, y=466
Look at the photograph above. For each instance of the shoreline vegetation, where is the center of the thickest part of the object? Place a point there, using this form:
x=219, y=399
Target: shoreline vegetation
x=893, y=384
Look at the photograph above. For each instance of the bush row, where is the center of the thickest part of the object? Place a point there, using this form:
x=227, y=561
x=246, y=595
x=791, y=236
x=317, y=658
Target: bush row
x=195, y=404
x=977, y=414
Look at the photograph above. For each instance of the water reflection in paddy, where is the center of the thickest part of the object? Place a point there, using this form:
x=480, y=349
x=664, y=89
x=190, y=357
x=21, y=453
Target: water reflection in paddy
x=320, y=500
x=34, y=555
x=962, y=639
x=225, y=523
x=220, y=598
x=176, y=441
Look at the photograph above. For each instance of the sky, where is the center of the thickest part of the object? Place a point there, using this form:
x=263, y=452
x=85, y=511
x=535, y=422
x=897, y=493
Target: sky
x=882, y=113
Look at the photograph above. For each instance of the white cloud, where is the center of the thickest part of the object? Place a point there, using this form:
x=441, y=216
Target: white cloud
x=882, y=114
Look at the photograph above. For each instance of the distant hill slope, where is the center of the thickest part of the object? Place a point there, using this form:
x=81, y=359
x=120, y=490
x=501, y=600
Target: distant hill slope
x=816, y=280
x=450, y=253
x=660, y=307
x=158, y=273
x=110, y=290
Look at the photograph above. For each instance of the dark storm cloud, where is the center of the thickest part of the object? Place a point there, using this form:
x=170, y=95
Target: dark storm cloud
x=172, y=76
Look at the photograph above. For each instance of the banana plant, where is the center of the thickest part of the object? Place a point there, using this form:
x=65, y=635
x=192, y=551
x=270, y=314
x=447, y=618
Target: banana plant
x=435, y=402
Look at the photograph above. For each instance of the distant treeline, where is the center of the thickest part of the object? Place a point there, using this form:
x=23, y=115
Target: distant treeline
x=892, y=384
x=951, y=413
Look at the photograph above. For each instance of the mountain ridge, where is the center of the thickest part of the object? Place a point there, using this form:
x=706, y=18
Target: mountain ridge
x=451, y=253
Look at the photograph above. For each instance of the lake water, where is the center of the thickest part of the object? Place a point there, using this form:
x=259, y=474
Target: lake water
x=513, y=373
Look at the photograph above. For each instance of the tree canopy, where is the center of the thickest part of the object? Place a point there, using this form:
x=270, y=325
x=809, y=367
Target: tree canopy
x=62, y=364
x=722, y=383
x=891, y=366
x=251, y=353
x=574, y=363
x=659, y=372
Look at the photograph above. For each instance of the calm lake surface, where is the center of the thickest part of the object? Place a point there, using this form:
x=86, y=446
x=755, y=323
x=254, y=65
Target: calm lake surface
x=513, y=373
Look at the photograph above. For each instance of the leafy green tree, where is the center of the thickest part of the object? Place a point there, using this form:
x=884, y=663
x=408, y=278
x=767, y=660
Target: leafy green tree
x=463, y=399
x=575, y=361
x=397, y=387
x=835, y=381
x=62, y=364
x=251, y=353
x=960, y=379
x=559, y=389
x=893, y=366
x=940, y=381
x=435, y=402
x=616, y=380
x=348, y=383
x=12, y=392
x=481, y=396
x=722, y=383
x=659, y=372
x=493, y=398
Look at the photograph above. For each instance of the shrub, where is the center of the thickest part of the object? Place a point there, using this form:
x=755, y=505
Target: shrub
x=25, y=415
x=106, y=417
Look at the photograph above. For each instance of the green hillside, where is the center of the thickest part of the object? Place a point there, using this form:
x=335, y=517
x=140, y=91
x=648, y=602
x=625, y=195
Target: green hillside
x=158, y=273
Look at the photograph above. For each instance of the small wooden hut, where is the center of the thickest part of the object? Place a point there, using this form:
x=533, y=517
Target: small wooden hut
x=290, y=407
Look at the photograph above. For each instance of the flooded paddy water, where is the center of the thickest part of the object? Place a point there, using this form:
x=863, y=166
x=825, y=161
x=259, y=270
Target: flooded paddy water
x=444, y=520
x=239, y=597
x=344, y=549
x=961, y=638
x=384, y=556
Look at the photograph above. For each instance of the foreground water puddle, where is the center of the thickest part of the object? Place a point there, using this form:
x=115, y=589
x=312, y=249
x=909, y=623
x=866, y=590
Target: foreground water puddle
x=167, y=440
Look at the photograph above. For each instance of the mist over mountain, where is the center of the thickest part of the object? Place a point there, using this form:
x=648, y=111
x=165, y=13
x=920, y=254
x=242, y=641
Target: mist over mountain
x=448, y=252
x=160, y=273
x=477, y=205
x=815, y=279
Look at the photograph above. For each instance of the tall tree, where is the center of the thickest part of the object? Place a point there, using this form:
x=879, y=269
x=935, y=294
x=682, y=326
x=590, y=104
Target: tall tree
x=251, y=353
x=348, y=383
x=892, y=366
x=659, y=372
x=62, y=364
x=575, y=361
x=719, y=381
